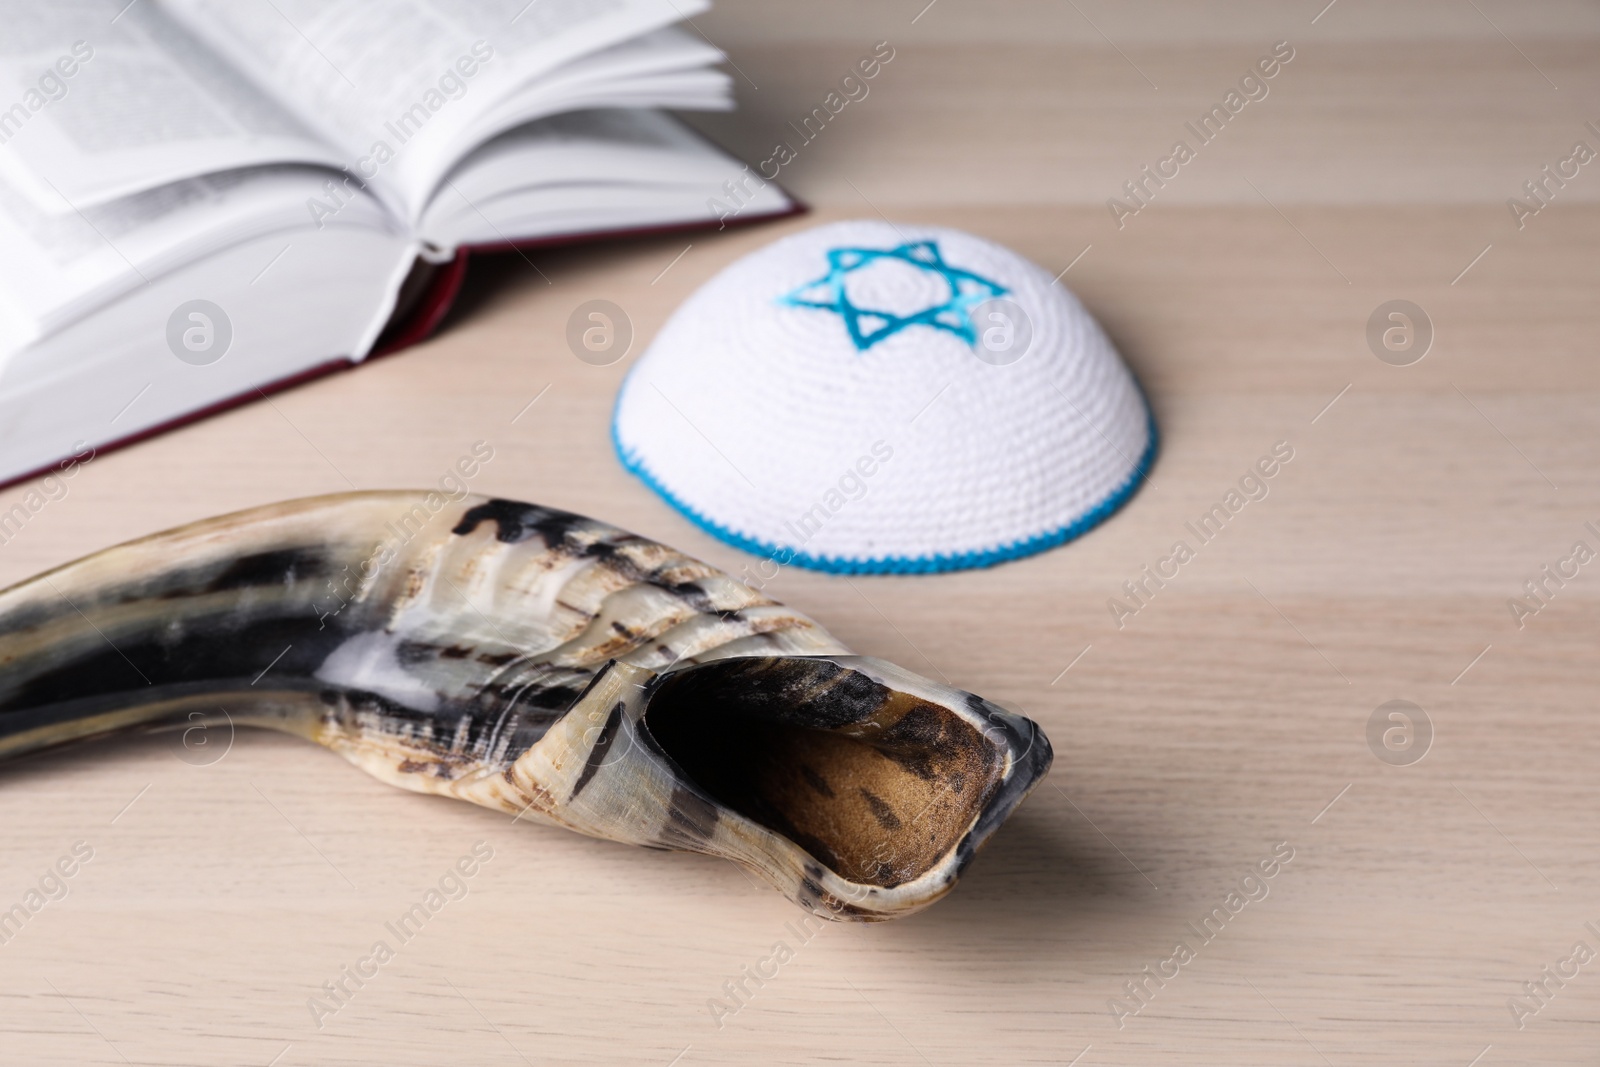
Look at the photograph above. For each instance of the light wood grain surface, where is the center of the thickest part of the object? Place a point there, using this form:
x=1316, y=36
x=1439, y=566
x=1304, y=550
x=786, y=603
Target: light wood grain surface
x=1229, y=715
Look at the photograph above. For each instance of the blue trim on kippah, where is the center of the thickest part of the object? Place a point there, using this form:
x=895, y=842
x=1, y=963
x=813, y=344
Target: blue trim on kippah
x=901, y=564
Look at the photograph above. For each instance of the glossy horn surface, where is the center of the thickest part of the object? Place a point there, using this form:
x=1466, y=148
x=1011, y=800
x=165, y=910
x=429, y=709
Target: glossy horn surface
x=535, y=662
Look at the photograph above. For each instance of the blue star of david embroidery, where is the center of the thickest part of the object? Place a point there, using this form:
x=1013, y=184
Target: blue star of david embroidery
x=868, y=326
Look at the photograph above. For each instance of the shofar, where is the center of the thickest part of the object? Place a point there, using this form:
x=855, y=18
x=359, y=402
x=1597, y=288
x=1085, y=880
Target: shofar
x=535, y=662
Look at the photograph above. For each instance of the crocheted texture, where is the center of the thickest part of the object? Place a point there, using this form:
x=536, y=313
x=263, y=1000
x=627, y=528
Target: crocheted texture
x=787, y=556
x=761, y=415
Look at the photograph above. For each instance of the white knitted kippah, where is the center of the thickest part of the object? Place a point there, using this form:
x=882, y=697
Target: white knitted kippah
x=866, y=398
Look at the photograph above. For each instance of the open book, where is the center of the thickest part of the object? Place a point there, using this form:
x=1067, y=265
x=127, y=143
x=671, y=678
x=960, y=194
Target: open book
x=200, y=199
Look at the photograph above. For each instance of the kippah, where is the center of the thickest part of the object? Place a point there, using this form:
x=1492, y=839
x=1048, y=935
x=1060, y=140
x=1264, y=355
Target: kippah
x=865, y=398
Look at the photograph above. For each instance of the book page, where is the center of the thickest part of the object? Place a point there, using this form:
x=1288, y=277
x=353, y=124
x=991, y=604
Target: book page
x=59, y=267
x=104, y=99
x=669, y=68
x=392, y=82
x=586, y=171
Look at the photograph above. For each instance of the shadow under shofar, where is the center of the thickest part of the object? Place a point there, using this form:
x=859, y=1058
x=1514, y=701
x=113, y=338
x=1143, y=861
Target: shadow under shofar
x=1036, y=887
x=537, y=663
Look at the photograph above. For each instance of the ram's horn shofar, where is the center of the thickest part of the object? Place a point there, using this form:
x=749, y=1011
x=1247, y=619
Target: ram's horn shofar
x=536, y=662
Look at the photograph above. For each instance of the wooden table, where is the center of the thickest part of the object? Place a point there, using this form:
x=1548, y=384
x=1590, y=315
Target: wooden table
x=1228, y=716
